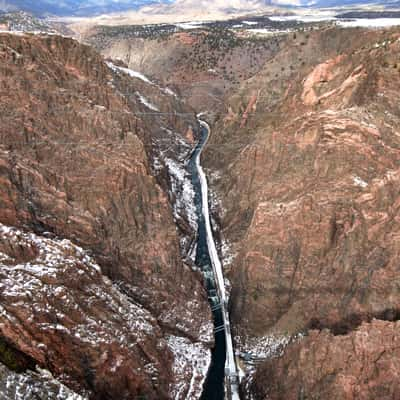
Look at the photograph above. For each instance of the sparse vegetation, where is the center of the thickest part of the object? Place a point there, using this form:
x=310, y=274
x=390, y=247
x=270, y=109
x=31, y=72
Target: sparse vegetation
x=13, y=358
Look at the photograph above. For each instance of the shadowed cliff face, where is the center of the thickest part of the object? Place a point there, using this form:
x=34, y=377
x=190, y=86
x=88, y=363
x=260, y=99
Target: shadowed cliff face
x=84, y=158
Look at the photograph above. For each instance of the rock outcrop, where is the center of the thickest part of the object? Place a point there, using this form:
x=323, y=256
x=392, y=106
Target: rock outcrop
x=84, y=163
x=309, y=186
x=363, y=364
x=74, y=321
x=309, y=175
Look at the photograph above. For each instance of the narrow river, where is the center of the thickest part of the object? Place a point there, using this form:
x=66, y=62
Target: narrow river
x=207, y=260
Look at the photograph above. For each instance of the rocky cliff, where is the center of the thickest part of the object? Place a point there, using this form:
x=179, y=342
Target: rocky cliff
x=93, y=234
x=306, y=160
x=361, y=365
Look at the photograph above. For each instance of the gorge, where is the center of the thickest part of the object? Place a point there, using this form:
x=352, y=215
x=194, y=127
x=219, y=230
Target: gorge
x=150, y=253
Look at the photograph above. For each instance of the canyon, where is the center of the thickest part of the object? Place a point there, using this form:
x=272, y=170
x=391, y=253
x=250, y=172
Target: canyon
x=106, y=245
x=302, y=162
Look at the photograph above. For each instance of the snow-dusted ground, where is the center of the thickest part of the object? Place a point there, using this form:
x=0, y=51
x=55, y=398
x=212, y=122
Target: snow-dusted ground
x=183, y=188
x=359, y=182
x=130, y=72
x=171, y=153
x=264, y=347
x=369, y=23
x=190, y=25
x=146, y=102
x=267, y=31
x=346, y=23
x=304, y=18
x=190, y=359
x=55, y=260
x=125, y=324
x=228, y=254
x=256, y=350
x=33, y=386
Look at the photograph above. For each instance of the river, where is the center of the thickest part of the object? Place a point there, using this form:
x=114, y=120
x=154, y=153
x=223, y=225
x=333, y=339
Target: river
x=223, y=361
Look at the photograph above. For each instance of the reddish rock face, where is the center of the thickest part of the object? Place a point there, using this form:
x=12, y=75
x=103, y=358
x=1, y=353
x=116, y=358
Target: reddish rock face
x=78, y=145
x=307, y=164
x=363, y=364
x=75, y=322
x=309, y=180
x=69, y=144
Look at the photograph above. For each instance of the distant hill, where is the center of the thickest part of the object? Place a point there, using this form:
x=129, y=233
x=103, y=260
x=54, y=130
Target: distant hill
x=336, y=3
x=370, y=14
x=23, y=21
x=74, y=7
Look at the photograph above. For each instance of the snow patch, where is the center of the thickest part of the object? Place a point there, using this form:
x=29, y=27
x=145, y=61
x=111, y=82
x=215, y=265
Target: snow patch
x=189, y=25
x=169, y=92
x=34, y=385
x=190, y=360
x=267, y=31
x=228, y=255
x=303, y=18
x=139, y=75
x=146, y=102
x=369, y=23
x=263, y=348
x=359, y=182
x=182, y=188
x=130, y=72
